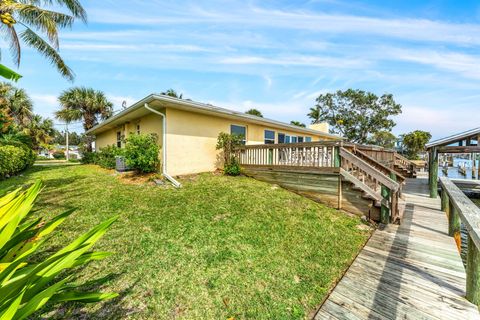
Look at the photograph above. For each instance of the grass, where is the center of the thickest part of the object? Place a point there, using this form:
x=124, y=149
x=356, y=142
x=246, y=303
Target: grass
x=219, y=247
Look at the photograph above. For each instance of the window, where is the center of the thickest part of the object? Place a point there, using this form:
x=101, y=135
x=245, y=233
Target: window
x=269, y=137
x=288, y=139
x=300, y=139
x=240, y=131
x=138, y=129
x=294, y=139
x=281, y=138
x=308, y=139
x=119, y=139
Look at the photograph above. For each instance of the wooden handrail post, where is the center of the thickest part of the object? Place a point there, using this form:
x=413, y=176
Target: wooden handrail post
x=336, y=157
x=444, y=201
x=453, y=222
x=385, y=209
x=473, y=273
x=338, y=163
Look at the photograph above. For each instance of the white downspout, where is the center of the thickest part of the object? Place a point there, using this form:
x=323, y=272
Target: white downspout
x=164, y=147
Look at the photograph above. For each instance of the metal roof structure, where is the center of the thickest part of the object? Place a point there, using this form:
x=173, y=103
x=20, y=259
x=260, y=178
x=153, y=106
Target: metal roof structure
x=466, y=135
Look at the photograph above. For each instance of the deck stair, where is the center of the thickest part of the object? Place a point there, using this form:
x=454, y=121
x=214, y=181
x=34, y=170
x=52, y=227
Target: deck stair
x=405, y=167
x=328, y=172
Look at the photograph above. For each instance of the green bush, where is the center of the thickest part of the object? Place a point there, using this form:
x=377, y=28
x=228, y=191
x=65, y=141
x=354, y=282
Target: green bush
x=141, y=152
x=27, y=282
x=88, y=157
x=227, y=143
x=232, y=168
x=14, y=159
x=105, y=158
x=58, y=155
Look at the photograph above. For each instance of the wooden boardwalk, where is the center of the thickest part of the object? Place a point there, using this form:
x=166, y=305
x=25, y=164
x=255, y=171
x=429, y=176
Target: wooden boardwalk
x=411, y=271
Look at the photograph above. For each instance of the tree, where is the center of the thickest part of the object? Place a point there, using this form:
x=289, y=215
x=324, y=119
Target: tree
x=16, y=104
x=355, y=114
x=19, y=19
x=40, y=130
x=384, y=139
x=414, y=143
x=85, y=104
x=298, y=123
x=172, y=93
x=74, y=138
x=254, y=112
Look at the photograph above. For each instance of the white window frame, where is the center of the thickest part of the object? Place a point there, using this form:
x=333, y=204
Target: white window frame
x=244, y=141
x=269, y=139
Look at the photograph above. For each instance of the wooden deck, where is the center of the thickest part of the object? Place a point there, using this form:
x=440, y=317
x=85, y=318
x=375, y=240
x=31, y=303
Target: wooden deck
x=411, y=271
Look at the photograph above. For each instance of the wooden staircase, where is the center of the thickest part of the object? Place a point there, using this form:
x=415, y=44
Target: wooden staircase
x=404, y=166
x=326, y=171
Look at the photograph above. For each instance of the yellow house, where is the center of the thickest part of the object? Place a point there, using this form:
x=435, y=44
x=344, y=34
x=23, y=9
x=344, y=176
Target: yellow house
x=187, y=131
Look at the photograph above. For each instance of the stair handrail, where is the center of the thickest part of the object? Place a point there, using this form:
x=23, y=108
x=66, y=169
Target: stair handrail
x=370, y=170
x=389, y=189
x=404, y=160
x=386, y=170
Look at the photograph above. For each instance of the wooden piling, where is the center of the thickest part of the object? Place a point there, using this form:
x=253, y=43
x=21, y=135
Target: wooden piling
x=473, y=273
x=433, y=172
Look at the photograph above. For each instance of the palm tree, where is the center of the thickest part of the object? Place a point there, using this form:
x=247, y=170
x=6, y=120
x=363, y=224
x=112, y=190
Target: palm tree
x=315, y=115
x=40, y=130
x=84, y=104
x=298, y=123
x=254, y=112
x=172, y=93
x=19, y=19
x=17, y=104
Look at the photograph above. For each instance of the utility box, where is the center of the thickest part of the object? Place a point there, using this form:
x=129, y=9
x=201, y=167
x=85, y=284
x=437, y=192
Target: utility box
x=121, y=164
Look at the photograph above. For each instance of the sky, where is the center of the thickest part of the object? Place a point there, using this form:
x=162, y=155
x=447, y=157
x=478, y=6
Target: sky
x=276, y=56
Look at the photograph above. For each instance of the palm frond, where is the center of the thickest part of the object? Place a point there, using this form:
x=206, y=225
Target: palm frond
x=12, y=38
x=74, y=6
x=45, y=20
x=35, y=41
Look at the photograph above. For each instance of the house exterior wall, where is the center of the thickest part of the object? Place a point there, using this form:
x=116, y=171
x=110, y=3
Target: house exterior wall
x=192, y=138
x=151, y=123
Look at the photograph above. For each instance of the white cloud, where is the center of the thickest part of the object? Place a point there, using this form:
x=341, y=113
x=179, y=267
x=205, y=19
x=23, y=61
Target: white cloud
x=251, y=16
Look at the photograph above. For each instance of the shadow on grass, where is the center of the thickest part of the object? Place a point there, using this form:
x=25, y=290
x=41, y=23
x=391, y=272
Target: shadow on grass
x=111, y=309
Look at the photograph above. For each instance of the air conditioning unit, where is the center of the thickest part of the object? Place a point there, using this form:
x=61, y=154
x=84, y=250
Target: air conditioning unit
x=121, y=164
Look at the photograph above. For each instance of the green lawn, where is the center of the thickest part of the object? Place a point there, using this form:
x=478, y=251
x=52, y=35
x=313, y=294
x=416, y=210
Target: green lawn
x=219, y=247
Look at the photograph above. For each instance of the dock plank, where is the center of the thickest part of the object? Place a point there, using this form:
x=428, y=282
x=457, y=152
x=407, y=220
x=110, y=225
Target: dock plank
x=411, y=271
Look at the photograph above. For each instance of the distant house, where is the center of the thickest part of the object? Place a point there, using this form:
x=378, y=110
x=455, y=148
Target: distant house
x=188, y=130
x=74, y=151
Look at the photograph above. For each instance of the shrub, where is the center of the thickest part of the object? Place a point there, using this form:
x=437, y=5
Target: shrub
x=105, y=158
x=227, y=143
x=59, y=154
x=14, y=159
x=141, y=152
x=88, y=157
x=232, y=168
x=27, y=283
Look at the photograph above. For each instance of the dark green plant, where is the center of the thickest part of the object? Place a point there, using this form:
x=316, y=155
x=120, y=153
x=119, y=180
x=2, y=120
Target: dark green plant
x=88, y=157
x=59, y=155
x=141, y=152
x=26, y=284
x=227, y=143
x=105, y=158
x=355, y=114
